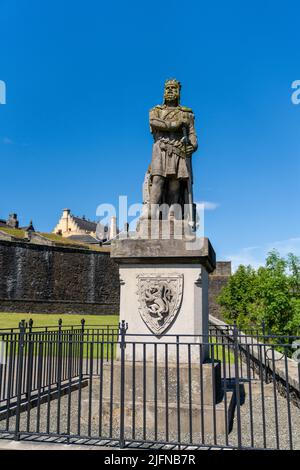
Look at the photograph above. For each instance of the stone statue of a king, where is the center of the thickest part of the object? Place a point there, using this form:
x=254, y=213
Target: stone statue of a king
x=169, y=177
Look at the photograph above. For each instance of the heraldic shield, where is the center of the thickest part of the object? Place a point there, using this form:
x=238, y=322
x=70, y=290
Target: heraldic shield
x=160, y=298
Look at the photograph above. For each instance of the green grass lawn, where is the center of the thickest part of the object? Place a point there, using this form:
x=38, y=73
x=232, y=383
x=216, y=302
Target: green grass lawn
x=15, y=232
x=68, y=241
x=220, y=352
x=58, y=239
x=12, y=320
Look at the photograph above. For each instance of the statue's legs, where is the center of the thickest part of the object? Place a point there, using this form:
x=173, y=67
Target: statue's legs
x=173, y=191
x=174, y=197
x=156, y=194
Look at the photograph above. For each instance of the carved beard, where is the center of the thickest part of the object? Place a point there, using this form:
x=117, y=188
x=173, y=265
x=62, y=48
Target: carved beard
x=175, y=97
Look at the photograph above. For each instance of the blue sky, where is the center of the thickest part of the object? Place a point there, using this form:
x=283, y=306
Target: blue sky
x=82, y=76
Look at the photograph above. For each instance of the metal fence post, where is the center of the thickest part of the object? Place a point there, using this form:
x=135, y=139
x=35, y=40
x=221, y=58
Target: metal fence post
x=237, y=382
x=265, y=362
x=82, y=325
x=80, y=374
x=70, y=376
x=29, y=362
x=81, y=347
x=22, y=327
x=59, y=372
x=123, y=328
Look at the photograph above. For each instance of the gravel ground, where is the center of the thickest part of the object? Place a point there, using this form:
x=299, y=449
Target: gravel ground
x=265, y=427
x=263, y=433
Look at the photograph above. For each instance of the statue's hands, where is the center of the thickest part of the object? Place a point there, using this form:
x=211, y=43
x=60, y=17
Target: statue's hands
x=186, y=146
x=189, y=149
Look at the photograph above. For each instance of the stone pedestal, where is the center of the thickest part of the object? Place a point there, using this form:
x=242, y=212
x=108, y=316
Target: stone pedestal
x=164, y=293
x=172, y=384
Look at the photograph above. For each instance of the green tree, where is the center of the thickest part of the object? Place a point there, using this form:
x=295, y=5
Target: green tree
x=270, y=294
x=238, y=296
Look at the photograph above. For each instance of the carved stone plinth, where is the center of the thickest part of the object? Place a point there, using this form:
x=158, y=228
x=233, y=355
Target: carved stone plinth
x=164, y=293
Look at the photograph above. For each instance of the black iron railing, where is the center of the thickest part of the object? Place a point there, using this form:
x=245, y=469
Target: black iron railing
x=225, y=389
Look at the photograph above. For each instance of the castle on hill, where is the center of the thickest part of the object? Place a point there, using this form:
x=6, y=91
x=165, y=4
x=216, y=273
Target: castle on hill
x=84, y=230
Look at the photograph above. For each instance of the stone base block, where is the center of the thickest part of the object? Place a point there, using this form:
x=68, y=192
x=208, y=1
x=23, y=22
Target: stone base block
x=157, y=402
x=201, y=384
x=158, y=418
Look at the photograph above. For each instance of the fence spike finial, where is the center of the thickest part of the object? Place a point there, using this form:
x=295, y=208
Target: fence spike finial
x=123, y=326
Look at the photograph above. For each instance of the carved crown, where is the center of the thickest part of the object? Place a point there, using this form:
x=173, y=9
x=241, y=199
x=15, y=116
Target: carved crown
x=173, y=81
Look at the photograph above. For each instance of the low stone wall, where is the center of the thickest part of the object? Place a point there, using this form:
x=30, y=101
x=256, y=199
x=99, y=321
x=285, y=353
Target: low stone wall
x=52, y=279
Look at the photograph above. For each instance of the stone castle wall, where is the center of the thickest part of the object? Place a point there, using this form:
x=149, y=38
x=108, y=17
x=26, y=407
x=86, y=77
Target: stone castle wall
x=217, y=280
x=50, y=279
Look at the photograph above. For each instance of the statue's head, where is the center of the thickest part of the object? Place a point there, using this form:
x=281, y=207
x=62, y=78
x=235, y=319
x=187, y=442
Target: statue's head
x=172, y=91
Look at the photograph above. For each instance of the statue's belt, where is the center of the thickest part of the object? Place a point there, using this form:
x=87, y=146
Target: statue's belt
x=171, y=149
